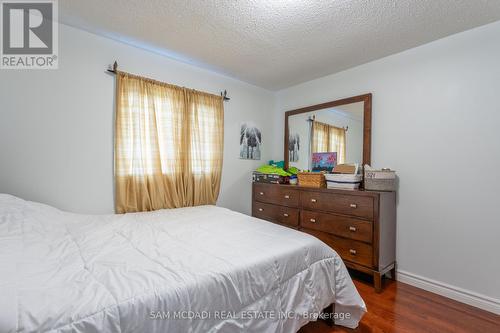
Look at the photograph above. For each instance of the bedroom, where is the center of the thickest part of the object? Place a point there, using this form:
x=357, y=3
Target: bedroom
x=431, y=71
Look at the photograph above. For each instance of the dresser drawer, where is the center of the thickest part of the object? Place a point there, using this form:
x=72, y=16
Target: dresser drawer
x=348, y=227
x=350, y=250
x=355, y=205
x=274, y=213
x=280, y=195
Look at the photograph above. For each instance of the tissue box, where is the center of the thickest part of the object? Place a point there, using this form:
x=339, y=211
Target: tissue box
x=380, y=180
x=343, y=181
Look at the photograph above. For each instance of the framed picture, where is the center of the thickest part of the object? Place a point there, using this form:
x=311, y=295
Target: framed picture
x=324, y=161
x=250, y=141
x=293, y=147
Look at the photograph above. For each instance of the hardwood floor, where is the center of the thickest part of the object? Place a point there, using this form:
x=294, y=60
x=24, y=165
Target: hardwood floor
x=403, y=308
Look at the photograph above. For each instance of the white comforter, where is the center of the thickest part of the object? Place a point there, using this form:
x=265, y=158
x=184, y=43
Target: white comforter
x=202, y=269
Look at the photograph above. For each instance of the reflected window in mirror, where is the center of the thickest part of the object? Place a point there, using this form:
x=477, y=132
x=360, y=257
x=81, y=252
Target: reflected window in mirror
x=331, y=128
x=328, y=138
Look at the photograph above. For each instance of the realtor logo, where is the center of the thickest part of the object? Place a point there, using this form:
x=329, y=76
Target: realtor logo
x=29, y=34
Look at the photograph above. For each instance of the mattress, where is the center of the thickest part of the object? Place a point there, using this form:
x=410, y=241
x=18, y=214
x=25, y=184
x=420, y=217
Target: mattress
x=199, y=269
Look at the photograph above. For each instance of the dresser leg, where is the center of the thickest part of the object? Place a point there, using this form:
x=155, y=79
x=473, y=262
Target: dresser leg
x=377, y=282
x=393, y=273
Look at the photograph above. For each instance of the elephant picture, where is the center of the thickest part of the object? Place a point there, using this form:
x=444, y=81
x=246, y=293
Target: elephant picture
x=293, y=147
x=250, y=141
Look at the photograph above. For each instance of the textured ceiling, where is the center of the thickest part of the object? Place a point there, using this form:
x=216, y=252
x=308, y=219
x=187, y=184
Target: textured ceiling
x=278, y=43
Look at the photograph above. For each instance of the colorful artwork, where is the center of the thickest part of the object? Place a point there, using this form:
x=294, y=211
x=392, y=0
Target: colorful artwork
x=324, y=161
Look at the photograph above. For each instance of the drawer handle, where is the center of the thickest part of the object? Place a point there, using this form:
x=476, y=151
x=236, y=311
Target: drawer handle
x=261, y=209
x=313, y=200
x=261, y=193
x=353, y=229
x=313, y=220
x=353, y=206
x=287, y=196
x=285, y=215
x=353, y=252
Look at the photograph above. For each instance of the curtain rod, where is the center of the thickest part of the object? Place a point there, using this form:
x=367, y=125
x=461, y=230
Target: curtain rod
x=313, y=118
x=115, y=69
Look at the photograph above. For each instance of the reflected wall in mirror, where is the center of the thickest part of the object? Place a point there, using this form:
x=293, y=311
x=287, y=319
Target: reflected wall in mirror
x=341, y=128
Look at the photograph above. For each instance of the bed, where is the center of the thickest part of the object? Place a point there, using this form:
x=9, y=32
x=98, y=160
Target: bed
x=197, y=269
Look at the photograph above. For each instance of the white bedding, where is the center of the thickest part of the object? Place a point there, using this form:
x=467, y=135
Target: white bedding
x=63, y=272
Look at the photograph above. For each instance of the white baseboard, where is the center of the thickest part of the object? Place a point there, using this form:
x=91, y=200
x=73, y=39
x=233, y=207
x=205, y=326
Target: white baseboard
x=458, y=294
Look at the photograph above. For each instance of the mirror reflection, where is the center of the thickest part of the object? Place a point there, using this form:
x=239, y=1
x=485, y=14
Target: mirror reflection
x=336, y=132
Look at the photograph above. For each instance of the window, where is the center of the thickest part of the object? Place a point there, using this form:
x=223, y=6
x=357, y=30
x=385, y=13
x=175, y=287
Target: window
x=169, y=145
x=328, y=138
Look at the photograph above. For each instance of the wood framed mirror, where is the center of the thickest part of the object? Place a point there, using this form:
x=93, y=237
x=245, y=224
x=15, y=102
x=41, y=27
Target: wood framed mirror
x=342, y=126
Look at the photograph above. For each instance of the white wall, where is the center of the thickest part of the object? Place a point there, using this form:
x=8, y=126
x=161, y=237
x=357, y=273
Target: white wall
x=436, y=116
x=56, y=127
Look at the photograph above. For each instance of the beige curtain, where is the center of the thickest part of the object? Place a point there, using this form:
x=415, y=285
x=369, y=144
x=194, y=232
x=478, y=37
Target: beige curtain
x=168, y=145
x=328, y=138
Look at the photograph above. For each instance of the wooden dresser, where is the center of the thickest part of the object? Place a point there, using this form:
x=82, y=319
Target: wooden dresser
x=359, y=225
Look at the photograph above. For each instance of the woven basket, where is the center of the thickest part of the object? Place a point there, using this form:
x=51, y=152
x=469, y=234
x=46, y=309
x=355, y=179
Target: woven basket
x=380, y=180
x=312, y=179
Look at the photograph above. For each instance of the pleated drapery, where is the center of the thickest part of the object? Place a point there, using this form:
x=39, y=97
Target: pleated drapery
x=168, y=145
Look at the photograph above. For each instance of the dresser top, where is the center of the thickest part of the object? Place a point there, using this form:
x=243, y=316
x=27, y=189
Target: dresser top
x=358, y=192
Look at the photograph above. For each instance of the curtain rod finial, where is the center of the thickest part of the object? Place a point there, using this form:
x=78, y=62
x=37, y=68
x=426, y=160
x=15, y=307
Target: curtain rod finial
x=115, y=66
x=224, y=95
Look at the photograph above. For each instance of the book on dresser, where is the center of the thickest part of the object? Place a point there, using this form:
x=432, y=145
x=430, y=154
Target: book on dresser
x=359, y=225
